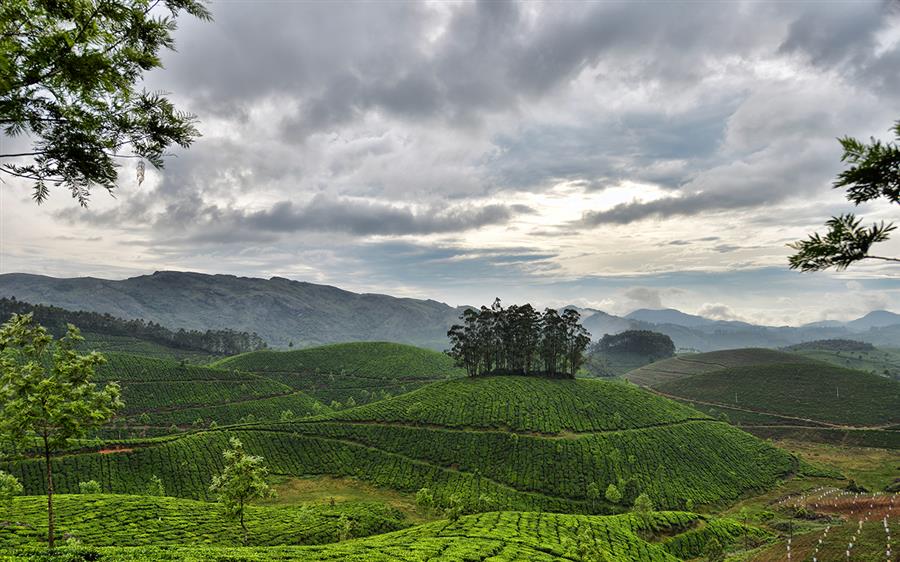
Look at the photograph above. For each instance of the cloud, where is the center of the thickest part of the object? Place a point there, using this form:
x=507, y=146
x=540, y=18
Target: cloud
x=718, y=311
x=644, y=297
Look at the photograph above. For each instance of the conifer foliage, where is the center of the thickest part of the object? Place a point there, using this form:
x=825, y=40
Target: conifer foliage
x=519, y=340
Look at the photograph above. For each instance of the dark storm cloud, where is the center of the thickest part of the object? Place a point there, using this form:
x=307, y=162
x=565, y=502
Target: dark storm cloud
x=367, y=218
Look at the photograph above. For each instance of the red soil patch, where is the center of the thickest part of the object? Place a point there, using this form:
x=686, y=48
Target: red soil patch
x=111, y=451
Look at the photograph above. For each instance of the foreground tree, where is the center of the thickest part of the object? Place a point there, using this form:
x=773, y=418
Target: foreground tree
x=46, y=391
x=874, y=173
x=242, y=481
x=9, y=488
x=68, y=76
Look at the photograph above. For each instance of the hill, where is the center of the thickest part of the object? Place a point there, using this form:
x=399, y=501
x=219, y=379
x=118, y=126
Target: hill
x=364, y=371
x=507, y=442
x=126, y=520
x=280, y=310
x=818, y=392
x=104, y=331
x=159, y=393
x=763, y=387
x=499, y=536
x=693, y=364
x=878, y=361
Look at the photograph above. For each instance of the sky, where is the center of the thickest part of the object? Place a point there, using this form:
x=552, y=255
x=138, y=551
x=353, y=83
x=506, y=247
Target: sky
x=616, y=155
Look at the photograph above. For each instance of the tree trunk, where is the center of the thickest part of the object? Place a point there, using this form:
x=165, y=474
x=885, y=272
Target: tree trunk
x=243, y=525
x=50, y=537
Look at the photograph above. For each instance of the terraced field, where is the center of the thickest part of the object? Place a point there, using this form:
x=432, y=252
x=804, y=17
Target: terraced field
x=765, y=388
x=124, y=520
x=363, y=371
x=496, y=536
x=885, y=362
x=566, y=436
x=822, y=393
x=161, y=393
x=687, y=365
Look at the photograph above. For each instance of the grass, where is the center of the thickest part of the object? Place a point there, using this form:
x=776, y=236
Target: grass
x=496, y=536
x=126, y=520
x=873, y=468
x=323, y=490
x=363, y=371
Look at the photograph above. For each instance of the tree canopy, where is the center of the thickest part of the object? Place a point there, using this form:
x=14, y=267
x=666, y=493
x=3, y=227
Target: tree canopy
x=69, y=71
x=874, y=173
x=242, y=481
x=46, y=391
x=519, y=341
x=642, y=342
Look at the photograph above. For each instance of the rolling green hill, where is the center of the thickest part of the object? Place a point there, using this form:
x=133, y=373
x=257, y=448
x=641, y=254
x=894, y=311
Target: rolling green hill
x=495, y=536
x=693, y=364
x=885, y=362
x=567, y=437
x=161, y=393
x=364, y=371
x=813, y=391
x=777, y=394
x=125, y=520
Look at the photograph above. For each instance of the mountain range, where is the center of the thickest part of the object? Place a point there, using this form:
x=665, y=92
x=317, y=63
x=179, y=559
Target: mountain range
x=286, y=312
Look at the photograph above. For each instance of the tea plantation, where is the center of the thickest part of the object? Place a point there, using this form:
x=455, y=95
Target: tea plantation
x=363, y=371
x=162, y=393
x=495, y=536
x=815, y=391
x=564, y=440
x=124, y=520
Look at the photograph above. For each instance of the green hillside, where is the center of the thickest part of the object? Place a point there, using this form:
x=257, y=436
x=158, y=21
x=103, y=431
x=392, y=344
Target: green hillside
x=107, y=343
x=495, y=536
x=124, y=520
x=364, y=371
x=562, y=446
x=162, y=393
x=815, y=391
x=885, y=362
x=693, y=364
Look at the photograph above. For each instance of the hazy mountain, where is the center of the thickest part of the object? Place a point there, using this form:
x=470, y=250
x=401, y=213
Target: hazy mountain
x=874, y=319
x=668, y=316
x=283, y=311
x=278, y=309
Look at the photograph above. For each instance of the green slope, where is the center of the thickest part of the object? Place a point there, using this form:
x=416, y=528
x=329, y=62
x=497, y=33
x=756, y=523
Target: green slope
x=885, y=362
x=692, y=364
x=125, y=520
x=560, y=447
x=819, y=392
x=364, y=371
x=159, y=392
x=496, y=536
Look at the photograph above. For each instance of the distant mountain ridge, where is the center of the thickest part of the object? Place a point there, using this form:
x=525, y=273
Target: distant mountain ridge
x=280, y=310
x=283, y=311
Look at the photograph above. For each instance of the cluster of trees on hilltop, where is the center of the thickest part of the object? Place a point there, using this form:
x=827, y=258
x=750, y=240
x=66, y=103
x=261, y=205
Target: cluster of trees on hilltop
x=56, y=320
x=519, y=340
x=832, y=345
x=642, y=342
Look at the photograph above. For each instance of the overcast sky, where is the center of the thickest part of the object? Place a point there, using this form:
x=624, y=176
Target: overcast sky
x=608, y=154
